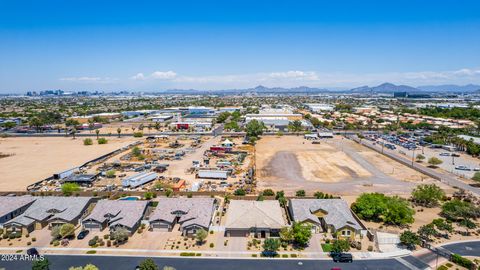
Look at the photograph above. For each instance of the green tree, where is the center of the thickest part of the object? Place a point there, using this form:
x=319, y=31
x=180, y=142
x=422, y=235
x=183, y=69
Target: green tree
x=67, y=230
x=120, y=235
x=148, y=264
x=286, y=234
x=340, y=245
x=271, y=245
x=301, y=233
x=398, y=211
x=222, y=117
x=254, y=128
x=378, y=207
x=427, y=195
x=69, y=188
x=426, y=231
x=201, y=235
x=457, y=210
x=55, y=232
x=41, y=264
x=434, y=162
x=442, y=225
x=295, y=126
x=119, y=130
x=410, y=239
x=110, y=174
x=97, y=131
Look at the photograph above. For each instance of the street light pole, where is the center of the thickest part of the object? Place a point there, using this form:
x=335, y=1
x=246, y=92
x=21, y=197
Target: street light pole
x=413, y=156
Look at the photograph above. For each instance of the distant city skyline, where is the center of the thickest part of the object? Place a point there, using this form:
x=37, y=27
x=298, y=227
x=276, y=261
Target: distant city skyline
x=154, y=45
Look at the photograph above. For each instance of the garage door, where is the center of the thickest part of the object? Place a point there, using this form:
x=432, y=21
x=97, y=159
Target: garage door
x=237, y=233
x=160, y=227
x=92, y=226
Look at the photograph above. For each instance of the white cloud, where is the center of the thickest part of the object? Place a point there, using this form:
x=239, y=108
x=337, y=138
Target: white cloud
x=295, y=74
x=138, y=77
x=163, y=75
x=85, y=79
x=157, y=75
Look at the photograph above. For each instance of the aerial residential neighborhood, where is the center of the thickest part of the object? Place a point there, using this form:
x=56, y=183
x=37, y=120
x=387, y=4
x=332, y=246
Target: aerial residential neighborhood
x=234, y=135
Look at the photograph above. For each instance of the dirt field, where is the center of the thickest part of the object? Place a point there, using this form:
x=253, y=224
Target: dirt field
x=34, y=159
x=336, y=165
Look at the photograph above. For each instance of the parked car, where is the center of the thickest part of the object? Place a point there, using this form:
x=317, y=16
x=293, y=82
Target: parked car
x=81, y=235
x=445, y=154
x=32, y=252
x=476, y=169
x=462, y=168
x=455, y=155
x=342, y=257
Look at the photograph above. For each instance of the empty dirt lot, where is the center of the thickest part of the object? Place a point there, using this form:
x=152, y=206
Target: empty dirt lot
x=336, y=165
x=34, y=159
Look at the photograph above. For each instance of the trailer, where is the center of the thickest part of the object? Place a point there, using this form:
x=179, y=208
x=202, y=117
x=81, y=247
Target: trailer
x=212, y=174
x=139, y=179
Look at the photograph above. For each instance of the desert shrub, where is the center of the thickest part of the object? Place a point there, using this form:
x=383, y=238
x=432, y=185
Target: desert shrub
x=87, y=141
x=102, y=141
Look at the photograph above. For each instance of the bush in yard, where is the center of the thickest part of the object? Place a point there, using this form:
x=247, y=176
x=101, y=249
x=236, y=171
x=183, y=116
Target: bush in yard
x=434, y=162
x=427, y=195
x=138, y=134
x=462, y=261
x=270, y=247
x=102, y=141
x=87, y=141
x=456, y=210
x=67, y=230
x=300, y=193
x=268, y=192
x=340, y=246
x=239, y=192
x=476, y=177
x=301, y=233
x=69, y=188
x=201, y=235
x=409, y=239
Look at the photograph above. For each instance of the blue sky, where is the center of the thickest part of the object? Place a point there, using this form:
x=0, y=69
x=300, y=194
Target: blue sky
x=153, y=45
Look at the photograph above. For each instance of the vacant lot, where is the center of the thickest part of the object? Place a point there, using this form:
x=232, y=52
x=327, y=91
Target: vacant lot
x=33, y=159
x=335, y=165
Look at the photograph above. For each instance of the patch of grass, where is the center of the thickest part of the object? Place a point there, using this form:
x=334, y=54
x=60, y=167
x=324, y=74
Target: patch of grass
x=254, y=255
x=187, y=254
x=293, y=256
x=326, y=247
x=91, y=252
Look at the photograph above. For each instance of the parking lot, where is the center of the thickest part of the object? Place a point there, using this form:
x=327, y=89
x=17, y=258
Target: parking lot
x=452, y=161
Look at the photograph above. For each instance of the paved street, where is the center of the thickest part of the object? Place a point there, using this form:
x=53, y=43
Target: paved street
x=124, y=263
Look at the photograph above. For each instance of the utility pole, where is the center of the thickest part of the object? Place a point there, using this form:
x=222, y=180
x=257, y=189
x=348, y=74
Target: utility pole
x=413, y=156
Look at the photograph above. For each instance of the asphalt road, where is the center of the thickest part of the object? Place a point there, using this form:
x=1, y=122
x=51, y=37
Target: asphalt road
x=124, y=263
x=465, y=248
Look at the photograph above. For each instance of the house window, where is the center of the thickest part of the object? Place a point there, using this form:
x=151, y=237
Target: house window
x=346, y=233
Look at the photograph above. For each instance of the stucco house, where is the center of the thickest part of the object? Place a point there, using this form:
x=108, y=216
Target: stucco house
x=191, y=214
x=115, y=214
x=50, y=211
x=257, y=218
x=13, y=206
x=327, y=215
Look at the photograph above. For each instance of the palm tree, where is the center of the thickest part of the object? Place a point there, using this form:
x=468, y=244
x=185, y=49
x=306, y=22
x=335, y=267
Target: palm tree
x=119, y=130
x=97, y=131
x=74, y=131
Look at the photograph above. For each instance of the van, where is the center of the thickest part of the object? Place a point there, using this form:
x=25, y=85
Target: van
x=342, y=257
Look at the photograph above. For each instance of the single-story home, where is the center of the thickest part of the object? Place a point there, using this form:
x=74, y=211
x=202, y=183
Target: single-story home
x=260, y=218
x=50, y=211
x=191, y=213
x=327, y=215
x=13, y=206
x=115, y=214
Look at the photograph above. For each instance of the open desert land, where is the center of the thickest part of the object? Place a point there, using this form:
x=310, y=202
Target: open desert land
x=33, y=159
x=338, y=166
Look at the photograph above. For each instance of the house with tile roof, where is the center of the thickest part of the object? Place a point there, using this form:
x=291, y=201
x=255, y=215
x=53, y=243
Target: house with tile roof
x=50, y=211
x=13, y=206
x=257, y=218
x=327, y=215
x=191, y=214
x=115, y=214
